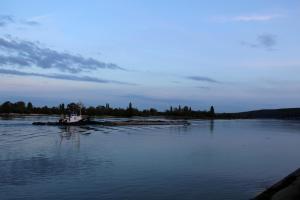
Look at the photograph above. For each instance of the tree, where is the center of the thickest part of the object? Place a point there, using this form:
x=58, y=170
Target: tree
x=73, y=107
x=20, y=107
x=7, y=107
x=62, y=108
x=29, y=107
x=130, y=110
x=180, y=111
x=130, y=106
x=153, y=111
x=185, y=109
x=212, y=111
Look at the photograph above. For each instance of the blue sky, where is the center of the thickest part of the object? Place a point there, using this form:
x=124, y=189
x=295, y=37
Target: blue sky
x=235, y=55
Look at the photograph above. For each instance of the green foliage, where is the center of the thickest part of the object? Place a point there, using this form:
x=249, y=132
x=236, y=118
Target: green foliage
x=180, y=111
x=29, y=107
x=7, y=107
x=187, y=112
x=212, y=111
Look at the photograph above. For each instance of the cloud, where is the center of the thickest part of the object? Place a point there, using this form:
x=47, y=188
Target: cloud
x=247, y=18
x=21, y=53
x=6, y=19
x=203, y=87
x=62, y=77
x=30, y=22
x=9, y=19
x=202, y=79
x=266, y=41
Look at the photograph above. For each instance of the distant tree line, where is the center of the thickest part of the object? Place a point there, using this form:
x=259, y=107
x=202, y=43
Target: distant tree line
x=283, y=113
x=21, y=107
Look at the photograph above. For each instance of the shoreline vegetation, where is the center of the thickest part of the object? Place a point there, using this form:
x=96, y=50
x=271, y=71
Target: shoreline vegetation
x=21, y=108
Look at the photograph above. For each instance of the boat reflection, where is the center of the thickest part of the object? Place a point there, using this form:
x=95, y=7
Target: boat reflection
x=68, y=131
x=72, y=133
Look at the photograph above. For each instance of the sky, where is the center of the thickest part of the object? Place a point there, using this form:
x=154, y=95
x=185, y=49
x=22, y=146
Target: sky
x=237, y=55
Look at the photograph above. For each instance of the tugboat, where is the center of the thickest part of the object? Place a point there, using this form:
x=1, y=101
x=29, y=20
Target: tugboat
x=72, y=117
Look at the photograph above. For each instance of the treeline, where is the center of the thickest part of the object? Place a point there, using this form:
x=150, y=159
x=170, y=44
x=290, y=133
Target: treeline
x=283, y=113
x=21, y=107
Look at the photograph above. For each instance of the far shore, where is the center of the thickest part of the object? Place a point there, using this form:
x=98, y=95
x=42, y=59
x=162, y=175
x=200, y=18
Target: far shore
x=220, y=116
x=186, y=112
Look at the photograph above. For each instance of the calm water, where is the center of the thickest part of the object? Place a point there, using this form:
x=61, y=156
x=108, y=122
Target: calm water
x=207, y=160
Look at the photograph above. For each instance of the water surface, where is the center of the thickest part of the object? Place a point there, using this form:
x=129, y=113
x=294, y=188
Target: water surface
x=211, y=160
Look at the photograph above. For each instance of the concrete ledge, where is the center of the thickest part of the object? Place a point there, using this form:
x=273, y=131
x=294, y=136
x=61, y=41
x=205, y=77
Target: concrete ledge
x=286, y=189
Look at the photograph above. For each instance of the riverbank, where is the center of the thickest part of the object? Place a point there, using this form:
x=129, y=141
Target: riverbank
x=286, y=189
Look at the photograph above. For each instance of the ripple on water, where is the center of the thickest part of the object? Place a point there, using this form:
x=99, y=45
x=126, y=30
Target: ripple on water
x=236, y=158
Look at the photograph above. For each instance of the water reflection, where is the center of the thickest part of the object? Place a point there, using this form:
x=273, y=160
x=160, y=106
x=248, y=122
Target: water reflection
x=6, y=117
x=73, y=133
x=67, y=131
x=179, y=130
x=211, y=126
x=24, y=170
x=145, y=162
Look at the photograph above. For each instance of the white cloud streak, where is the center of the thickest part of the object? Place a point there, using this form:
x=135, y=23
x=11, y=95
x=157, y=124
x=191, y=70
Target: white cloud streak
x=247, y=18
